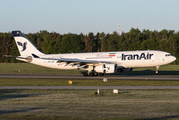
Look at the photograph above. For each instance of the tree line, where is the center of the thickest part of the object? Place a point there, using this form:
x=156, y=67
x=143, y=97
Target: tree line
x=54, y=43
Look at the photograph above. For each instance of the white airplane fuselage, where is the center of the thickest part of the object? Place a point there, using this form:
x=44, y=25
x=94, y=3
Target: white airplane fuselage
x=99, y=62
x=127, y=59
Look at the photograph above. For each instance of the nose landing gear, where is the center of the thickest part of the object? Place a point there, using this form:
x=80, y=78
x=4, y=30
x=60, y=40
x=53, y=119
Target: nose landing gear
x=157, y=67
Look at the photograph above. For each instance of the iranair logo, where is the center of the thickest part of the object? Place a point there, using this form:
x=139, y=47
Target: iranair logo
x=23, y=45
x=137, y=56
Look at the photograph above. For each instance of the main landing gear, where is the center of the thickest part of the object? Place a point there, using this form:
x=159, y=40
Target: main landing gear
x=93, y=74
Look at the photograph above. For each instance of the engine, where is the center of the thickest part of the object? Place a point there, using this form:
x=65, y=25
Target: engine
x=106, y=68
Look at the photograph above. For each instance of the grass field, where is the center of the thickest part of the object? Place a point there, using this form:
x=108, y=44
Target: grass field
x=27, y=68
x=84, y=104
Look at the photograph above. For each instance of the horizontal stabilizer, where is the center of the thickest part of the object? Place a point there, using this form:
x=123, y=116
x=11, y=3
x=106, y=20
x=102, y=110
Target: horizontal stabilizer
x=27, y=59
x=10, y=56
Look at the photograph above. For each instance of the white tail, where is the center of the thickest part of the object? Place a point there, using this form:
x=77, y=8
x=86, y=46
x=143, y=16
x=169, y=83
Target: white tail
x=25, y=47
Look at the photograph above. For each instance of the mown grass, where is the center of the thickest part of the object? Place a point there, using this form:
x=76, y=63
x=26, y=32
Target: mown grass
x=59, y=82
x=84, y=104
x=27, y=68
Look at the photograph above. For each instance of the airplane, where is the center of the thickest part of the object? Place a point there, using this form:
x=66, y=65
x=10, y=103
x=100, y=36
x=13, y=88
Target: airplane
x=96, y=63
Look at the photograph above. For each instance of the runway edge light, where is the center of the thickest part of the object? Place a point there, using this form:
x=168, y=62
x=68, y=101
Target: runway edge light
x=69, y=82
x=105, y=79
x=98, y=91
x=115, y=91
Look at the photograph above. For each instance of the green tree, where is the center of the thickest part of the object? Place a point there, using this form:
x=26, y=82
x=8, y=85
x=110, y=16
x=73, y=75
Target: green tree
x=71, y=43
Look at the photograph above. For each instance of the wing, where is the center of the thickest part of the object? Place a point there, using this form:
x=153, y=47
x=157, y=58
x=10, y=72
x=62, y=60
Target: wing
x=69, y=60
x=79, y=63
x=77, y=60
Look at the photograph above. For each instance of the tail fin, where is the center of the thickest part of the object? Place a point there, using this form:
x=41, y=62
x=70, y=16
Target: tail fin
x=25, y=47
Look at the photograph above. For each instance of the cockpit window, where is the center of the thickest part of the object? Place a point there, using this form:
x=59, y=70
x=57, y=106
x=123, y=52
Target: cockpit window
x=168, y=55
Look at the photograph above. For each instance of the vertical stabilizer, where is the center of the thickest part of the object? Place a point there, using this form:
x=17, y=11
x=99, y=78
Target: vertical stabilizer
x=25, y=47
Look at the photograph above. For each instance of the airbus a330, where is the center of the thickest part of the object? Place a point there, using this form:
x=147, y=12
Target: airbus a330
x=96, y=63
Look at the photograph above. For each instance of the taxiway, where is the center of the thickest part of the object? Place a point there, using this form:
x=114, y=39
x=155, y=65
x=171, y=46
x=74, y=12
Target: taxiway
x=81, y=77
x=89, y=87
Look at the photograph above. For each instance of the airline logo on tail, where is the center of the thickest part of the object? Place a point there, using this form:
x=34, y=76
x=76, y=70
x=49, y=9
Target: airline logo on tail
x=23, y=45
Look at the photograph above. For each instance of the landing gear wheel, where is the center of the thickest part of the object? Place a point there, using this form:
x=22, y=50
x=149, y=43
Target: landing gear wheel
x=91, y=74
x=85, y=74
x=101, y=74
x=157, y=67
x=95, y=74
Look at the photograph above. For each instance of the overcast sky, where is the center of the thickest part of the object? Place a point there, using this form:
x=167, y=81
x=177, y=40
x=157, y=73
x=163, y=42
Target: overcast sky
x=84, y=16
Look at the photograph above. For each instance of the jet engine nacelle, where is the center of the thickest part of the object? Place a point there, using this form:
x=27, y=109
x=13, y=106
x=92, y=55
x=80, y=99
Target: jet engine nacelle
x=106, y=68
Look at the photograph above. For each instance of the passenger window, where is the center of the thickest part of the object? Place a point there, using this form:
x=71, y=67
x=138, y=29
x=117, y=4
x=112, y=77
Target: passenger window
x=168, y=55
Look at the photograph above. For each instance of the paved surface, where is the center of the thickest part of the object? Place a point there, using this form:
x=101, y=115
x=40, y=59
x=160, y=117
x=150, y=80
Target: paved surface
x=114, y=77
x=89, y=87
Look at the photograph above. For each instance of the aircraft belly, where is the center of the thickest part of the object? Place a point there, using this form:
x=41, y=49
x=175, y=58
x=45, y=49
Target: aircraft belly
x=138, y=63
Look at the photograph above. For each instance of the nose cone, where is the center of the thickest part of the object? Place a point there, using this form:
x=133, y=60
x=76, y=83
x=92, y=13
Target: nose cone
x=170, y=59
x=174, y=58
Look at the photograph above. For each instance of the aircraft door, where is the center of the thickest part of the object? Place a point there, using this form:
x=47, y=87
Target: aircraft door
x=119, y=57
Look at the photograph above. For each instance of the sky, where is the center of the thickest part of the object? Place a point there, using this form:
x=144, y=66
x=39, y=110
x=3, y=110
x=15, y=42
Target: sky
x=84, y=16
